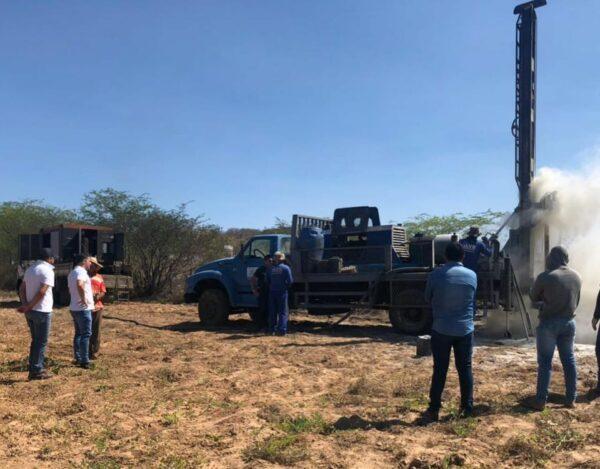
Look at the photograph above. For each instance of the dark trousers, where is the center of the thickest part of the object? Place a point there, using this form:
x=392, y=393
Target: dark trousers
x=598, y=355
x=39, y=327
x=82, y=320
x=95, y=337
x=278, y=312
x=441, y=346
x=263, y=309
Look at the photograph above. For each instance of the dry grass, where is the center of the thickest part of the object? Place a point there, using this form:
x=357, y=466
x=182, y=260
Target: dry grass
x=165, y=393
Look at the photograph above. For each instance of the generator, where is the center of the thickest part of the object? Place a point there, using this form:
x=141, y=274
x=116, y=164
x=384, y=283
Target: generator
x=70, y=239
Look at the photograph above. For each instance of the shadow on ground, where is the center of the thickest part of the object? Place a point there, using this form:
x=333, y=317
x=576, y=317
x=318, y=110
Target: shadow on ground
x=242, y=328
x=355, y=422
x=9, y=304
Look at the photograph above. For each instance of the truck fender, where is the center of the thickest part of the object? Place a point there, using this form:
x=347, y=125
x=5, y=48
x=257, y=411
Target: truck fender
x=213, y=279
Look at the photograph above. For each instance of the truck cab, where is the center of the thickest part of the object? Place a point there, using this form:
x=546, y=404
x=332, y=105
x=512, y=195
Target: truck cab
x=223, y=286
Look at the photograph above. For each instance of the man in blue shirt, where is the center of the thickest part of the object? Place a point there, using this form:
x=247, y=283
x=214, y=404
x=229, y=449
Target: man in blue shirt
x=450, y=290
x=279, y=278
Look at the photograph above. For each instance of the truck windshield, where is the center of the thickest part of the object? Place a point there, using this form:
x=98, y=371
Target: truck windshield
x=285, y=245
x=258, y=248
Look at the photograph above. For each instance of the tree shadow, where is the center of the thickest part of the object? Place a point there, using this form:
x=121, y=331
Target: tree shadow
x=8, y=304
x=10, y=382
x=242, y=328
x=364, y=333
x=331, y=344
x=185, y=326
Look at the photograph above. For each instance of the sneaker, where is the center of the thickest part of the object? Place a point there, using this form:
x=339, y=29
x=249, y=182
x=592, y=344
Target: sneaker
x=427, y=417
x=534, y=404
x=44, y=374
x=465, y=413
x=85, y=366
x=570, y=404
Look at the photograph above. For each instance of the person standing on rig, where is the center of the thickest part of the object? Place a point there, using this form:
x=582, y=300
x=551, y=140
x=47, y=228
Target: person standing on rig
x=279, y=278
x=473, y=250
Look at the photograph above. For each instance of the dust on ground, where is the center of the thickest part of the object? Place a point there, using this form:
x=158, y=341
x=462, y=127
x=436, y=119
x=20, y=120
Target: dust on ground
x=167, y=393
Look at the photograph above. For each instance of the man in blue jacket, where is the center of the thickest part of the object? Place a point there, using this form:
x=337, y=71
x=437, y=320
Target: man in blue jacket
x=279, y=278
x=450, y=290
x=473, y=250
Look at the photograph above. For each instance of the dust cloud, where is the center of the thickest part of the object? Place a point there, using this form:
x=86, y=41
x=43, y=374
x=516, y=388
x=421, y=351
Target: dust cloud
x=575, y=224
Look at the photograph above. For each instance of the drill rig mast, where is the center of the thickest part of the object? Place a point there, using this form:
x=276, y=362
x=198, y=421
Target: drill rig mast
x=523, y=129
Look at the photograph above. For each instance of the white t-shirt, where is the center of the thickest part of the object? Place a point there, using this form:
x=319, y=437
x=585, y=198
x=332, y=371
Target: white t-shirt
x=79, y=273
x=40, y=273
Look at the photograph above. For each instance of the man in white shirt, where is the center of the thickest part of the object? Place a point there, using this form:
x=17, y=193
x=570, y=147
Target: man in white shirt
x=82, y=305
x=35, y=292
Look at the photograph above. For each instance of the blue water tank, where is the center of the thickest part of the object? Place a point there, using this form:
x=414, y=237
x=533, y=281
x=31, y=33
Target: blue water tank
x=311, y=242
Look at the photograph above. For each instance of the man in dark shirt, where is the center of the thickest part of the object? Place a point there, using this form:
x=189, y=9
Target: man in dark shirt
x=595, y=320
x=260, y=289
x=558, y=290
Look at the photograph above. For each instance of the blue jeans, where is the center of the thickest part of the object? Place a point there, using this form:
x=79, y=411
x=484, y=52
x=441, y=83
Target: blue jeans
x=278, y=312
x=83, y=331
x=39, y=326
x=441, y=346
x=598, y=356
x=551, y=334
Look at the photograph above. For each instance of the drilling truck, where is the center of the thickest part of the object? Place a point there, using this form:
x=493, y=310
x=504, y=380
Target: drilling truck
x=351, y=261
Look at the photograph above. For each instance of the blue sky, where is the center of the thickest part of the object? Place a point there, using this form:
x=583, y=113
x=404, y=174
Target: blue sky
x=252, y=110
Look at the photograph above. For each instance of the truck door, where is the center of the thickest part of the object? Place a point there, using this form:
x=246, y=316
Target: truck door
x=250, y=259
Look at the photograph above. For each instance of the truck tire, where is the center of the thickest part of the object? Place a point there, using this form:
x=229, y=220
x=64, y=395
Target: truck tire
x=414, y=320
x=213, y=307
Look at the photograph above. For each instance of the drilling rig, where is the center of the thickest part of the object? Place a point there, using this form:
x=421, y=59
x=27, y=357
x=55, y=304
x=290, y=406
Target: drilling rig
x=529, y=239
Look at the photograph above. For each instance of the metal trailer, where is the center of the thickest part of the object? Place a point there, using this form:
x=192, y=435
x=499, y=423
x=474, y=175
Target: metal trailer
x=69, y=239
x=388, y=276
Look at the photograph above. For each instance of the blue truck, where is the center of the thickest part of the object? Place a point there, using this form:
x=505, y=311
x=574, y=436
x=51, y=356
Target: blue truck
x=341, y=264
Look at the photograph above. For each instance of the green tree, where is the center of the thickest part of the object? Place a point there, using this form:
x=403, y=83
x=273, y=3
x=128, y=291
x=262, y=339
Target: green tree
x=457, y=223
x=162, y=246
x=27, y=216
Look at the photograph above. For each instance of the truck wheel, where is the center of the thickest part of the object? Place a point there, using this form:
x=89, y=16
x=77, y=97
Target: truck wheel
x=415, y=317
x=213, y=307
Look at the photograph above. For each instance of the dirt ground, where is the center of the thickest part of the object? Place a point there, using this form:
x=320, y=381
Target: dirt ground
x=166, y=393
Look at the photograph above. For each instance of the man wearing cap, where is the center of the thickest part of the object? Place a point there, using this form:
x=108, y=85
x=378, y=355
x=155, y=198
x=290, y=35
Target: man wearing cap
x=35, y=292
x=473, y=249
x=279, y=279
x=98, y=290
x=82, y=305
